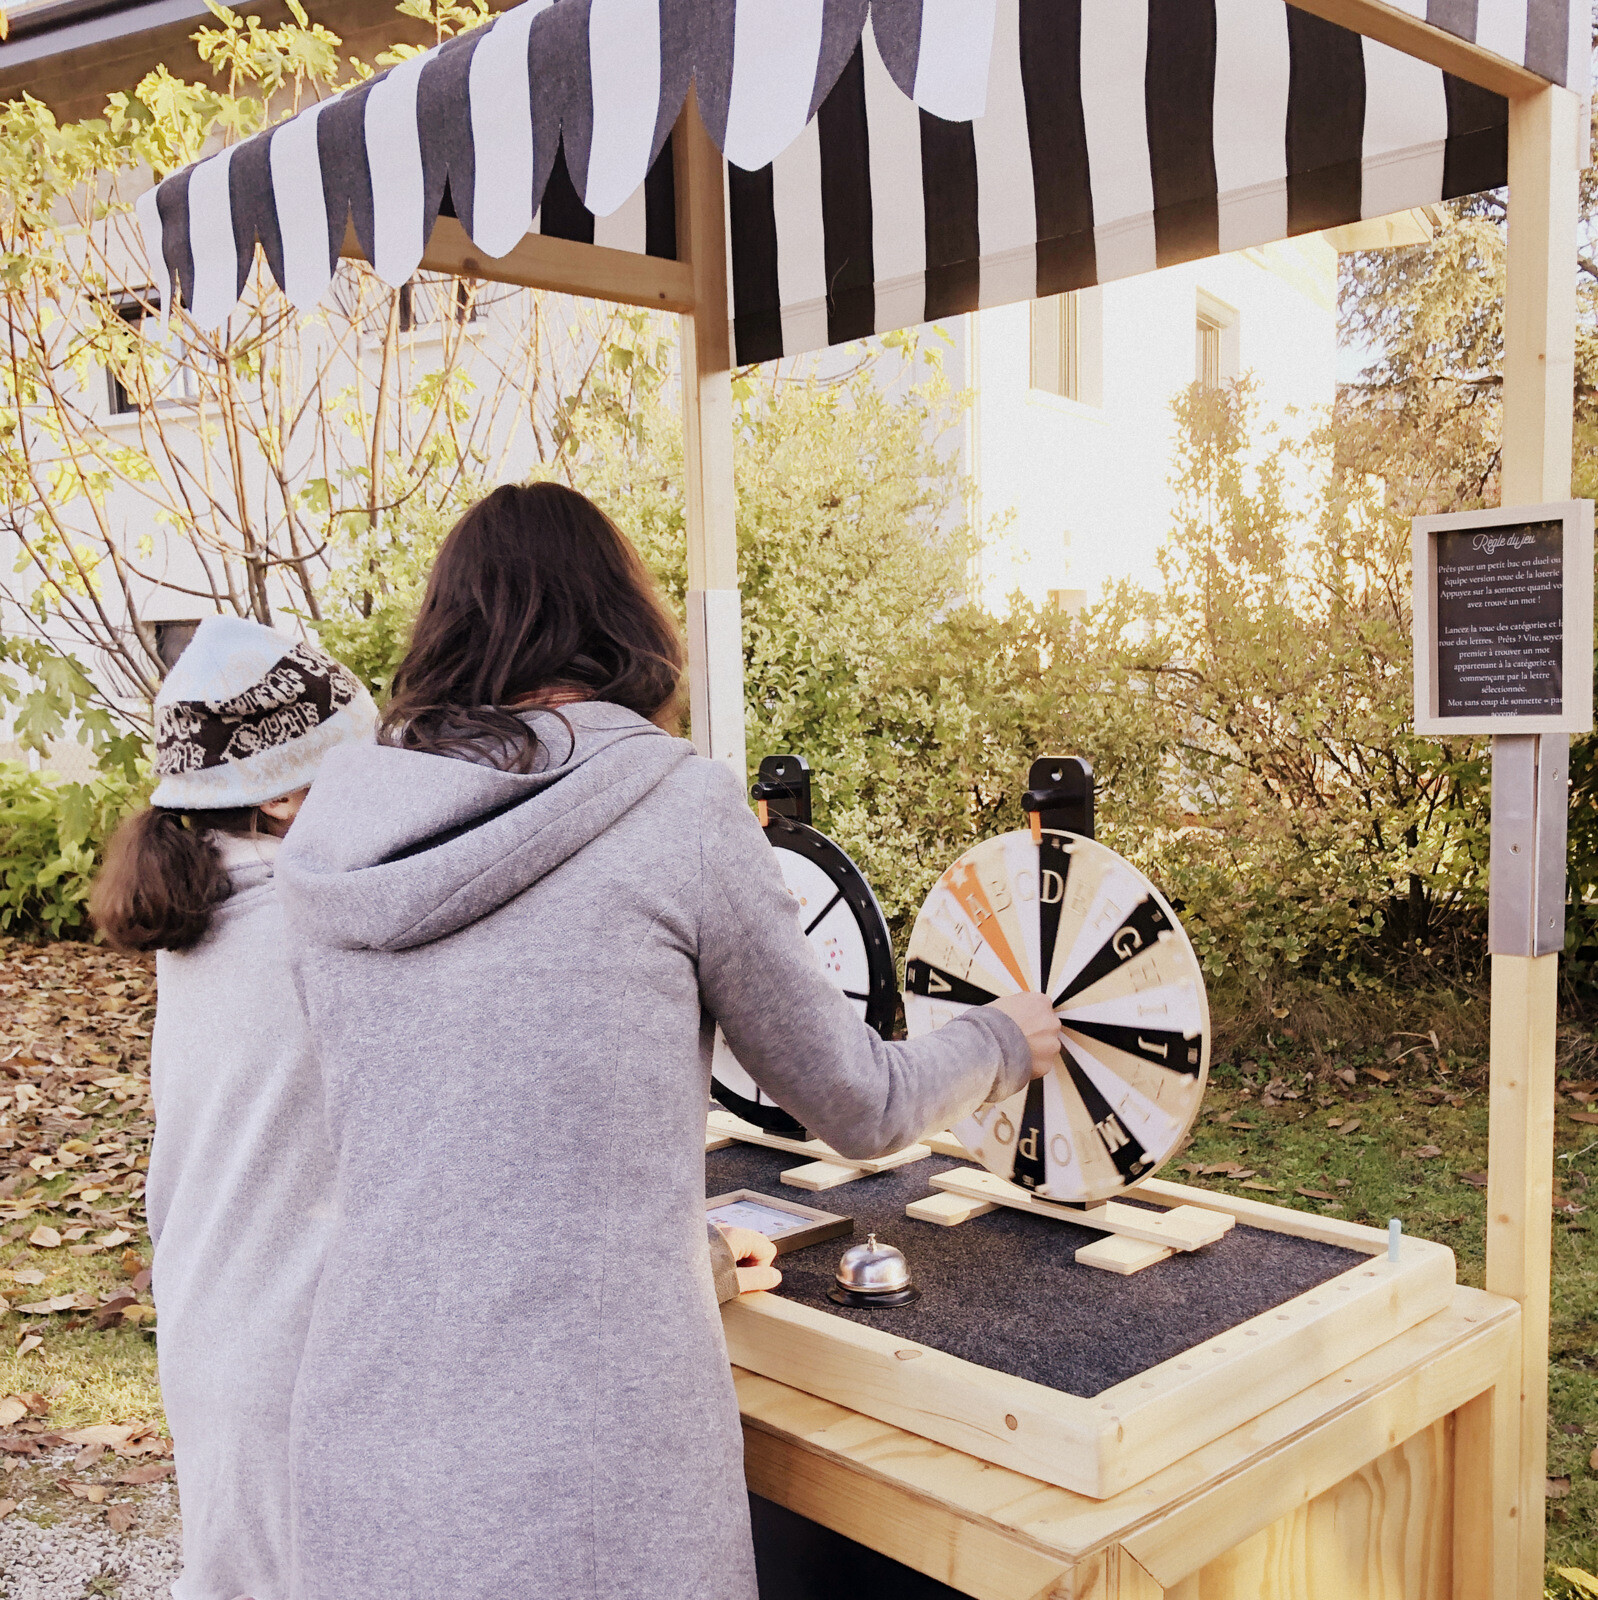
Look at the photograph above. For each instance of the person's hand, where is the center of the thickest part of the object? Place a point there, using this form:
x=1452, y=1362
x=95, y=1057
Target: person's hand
x=1035, y=1017
x=754, y=1253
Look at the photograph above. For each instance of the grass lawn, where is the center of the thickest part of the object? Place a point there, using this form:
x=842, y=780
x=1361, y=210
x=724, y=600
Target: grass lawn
x=1394, y=1127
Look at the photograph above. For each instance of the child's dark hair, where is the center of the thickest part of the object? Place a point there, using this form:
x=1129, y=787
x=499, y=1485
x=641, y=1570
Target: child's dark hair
x=163, y=878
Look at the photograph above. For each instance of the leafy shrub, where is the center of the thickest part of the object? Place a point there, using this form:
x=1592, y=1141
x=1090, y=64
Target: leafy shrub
x=52, y=837
x=1246, y=709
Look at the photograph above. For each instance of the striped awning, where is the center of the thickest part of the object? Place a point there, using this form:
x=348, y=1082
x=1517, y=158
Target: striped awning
x=883, y=169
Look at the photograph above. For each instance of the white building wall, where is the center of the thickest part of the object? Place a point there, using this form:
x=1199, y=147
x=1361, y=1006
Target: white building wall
x=1086, y=487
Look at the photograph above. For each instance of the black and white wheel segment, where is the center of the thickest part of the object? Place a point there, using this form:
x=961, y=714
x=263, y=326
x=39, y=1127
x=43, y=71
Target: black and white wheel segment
x=849, y=935
x=1076, y=921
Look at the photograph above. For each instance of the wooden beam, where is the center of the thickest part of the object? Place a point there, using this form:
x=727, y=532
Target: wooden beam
x=956, y=1548
x=1486, y=1530
x=715, y=636
x=1415, y=37
x=1539, y=376
x=1540, y=299
x=561, y=265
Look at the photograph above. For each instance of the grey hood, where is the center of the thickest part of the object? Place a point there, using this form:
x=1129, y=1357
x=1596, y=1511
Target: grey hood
x=394, y=848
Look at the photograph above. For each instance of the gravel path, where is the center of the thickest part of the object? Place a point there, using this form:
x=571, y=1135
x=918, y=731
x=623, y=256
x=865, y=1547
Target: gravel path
x=55, y=1547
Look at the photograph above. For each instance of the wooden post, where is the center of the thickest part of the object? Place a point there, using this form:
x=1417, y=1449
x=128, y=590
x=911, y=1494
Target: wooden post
x=715, y=634
x=1529, y=803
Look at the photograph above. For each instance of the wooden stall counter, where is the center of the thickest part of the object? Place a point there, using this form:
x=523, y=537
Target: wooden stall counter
x=1373, y=1483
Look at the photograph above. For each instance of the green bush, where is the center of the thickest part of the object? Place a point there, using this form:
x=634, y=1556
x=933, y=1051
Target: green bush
x=1246, y=708
x=52, y=838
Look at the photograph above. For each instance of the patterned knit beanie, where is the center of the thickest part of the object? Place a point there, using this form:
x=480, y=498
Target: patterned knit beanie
x=246, y=716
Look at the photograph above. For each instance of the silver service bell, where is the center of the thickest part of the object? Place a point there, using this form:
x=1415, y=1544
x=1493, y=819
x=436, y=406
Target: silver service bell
x=873, y=1275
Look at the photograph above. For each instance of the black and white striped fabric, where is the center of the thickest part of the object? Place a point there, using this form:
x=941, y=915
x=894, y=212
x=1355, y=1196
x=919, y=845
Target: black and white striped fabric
x=1117, y=138
x=890, y=161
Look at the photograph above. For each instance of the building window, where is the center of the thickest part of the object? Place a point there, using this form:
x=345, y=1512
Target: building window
x=1215, y=342
x=172, y=639
x=1209, y=353
x=179, y=381
x=1057, y=346
x=123, y=403
x=431, y=302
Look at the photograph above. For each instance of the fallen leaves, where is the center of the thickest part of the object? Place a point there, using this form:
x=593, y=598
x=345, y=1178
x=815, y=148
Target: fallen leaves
x=60, y=1302
x=150, y=1472
x=1315, y=1194
x=14, y=1407
x=122, y=1438
x=1583, y=1116
x=94, y=1493
x=119, y=1518
x=1558, y=1488
x=1477, y=1180
x=1428, y=1152
x=123, y=1306
x=29, y=1341
x=1269, y=1188
x=45, y=1237
x=1592, y=1461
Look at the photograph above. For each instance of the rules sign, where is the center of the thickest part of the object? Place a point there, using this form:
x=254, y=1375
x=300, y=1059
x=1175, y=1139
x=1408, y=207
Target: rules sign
x=1503, y=621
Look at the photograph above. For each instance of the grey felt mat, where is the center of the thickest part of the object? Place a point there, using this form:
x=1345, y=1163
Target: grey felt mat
x=1004, y=1290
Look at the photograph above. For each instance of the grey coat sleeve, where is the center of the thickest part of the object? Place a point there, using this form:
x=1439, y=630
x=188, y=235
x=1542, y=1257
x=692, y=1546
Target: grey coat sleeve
x=723, y=1268
x=798, y=1037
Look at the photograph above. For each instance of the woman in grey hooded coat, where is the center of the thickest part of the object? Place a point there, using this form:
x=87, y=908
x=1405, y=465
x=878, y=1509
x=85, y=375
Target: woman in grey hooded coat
x=519, y=928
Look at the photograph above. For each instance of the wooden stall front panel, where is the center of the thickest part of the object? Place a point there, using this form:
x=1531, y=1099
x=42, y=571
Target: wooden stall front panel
x=1361, y=1474
x=1383, y=1533
x=1126, y=1433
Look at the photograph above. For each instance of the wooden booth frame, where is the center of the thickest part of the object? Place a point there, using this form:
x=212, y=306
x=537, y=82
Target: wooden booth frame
x=1477, y=1369
x=1508, y=1423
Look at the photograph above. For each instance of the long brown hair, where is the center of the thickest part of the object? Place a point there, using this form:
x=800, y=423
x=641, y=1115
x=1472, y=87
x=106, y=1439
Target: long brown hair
x=535, y=593
x=163, y=878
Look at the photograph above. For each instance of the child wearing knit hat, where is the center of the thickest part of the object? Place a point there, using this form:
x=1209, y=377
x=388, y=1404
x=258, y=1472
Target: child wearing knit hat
x=241, y=725
x=240, y=1176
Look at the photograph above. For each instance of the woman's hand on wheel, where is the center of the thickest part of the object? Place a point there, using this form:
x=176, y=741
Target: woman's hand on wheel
x=754, y=1253
x=1035, y=1017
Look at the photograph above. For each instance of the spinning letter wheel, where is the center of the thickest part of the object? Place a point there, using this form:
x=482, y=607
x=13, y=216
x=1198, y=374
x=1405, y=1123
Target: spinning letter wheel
x=849, y=936
x=1065, y=916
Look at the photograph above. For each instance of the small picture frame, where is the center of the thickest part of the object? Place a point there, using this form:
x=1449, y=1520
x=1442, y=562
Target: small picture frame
x=789, y=1225
x=1503, y=620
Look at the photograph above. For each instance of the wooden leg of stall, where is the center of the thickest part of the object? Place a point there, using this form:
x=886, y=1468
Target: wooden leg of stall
x=1486, y=1467
x=1539, y=345
x=715, y=637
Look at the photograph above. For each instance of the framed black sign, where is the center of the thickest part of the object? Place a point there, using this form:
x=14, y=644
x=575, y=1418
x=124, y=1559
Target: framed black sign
x=1503, y=620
